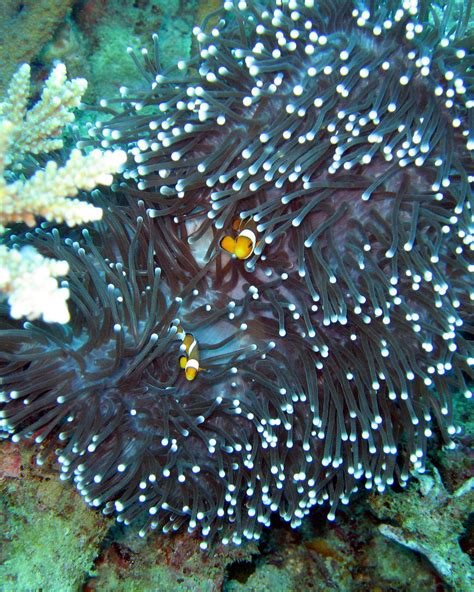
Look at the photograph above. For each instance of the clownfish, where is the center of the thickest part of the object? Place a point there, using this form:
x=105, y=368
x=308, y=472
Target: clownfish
x=189, y=362
x=244, y=245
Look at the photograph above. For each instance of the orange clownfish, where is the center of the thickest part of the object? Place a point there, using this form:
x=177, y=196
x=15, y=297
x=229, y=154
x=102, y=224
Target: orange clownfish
x=244, y=245
x=189, y=362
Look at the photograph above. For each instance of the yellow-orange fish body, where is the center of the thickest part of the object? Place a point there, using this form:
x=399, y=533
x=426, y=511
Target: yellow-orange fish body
x=189, y=362
x=244, y=245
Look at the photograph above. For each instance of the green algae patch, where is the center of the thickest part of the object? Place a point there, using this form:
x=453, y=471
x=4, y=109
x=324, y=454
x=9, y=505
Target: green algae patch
x=171, y=563
x=111, y=28
x=157, y=578
x=427, y=518
x=51, y=538
x=24, y=29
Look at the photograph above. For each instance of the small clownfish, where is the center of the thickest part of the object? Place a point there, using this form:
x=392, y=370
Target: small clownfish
x=189, y=362
x=244, y=245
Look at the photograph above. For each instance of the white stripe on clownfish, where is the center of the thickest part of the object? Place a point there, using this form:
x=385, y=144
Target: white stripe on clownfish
x=250, y=234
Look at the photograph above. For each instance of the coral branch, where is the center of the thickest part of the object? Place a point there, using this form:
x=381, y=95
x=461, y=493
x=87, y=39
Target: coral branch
x=39, y=130
x=48, y=191
x=29, y=280
x=26, y=277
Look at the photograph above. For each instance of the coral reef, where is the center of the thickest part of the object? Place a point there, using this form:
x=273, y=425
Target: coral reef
x=165, y=563
x=52, y=539
x=329, y=355
x=25, y=27
x=430, y=520
x=350, y=556
x=109, y=27
x=26, y=277
x=272, y=578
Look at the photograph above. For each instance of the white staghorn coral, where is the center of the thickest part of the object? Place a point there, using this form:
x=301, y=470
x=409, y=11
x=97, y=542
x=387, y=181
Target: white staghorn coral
x=38, y=130
x=27, y=278
x=47, y=193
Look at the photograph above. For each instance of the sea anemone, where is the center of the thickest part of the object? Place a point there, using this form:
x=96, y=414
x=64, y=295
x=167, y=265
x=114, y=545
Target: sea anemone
x=331, y=353
x=109, y=383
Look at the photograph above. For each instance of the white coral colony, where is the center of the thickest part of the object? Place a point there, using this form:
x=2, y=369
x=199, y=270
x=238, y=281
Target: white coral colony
x=27, y=278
